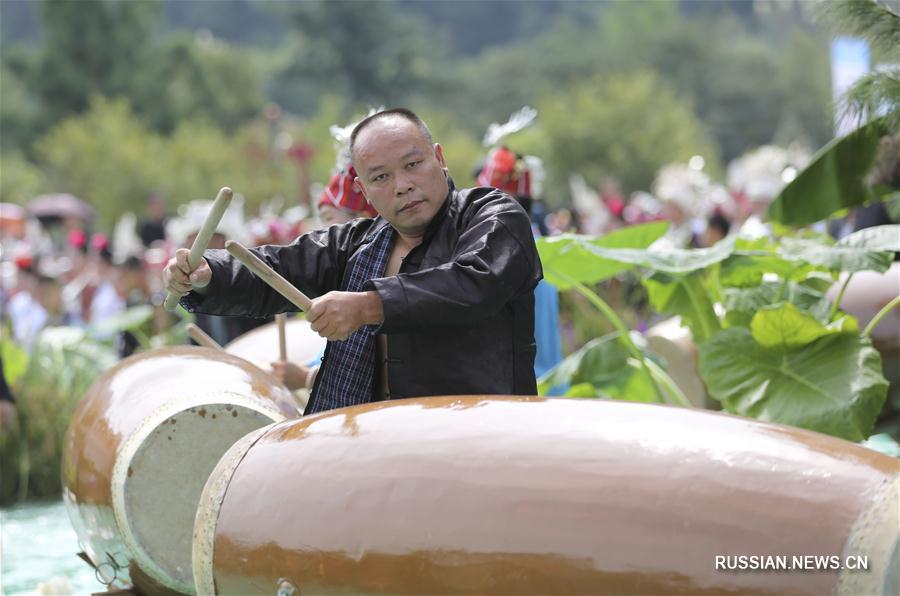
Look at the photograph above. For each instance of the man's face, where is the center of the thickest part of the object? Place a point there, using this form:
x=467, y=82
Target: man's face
x=401, y=173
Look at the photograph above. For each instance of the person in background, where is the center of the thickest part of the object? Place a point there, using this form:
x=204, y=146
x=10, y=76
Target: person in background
x=522, y=177
x=341, y=202
x=106, y=301
x=183, y=230
x=27, y=314
x=717, y=228
x=153, y=228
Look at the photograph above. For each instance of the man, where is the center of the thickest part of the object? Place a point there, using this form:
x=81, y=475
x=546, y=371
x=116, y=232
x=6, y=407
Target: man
x=433, y=297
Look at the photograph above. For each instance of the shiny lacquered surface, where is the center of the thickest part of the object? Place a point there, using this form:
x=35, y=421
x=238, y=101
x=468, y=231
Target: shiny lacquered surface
x=124, y=407
x=525, y=495
x=260, y=346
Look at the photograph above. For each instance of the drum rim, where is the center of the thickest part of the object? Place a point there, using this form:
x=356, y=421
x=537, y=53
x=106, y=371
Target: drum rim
x=876, y=536
x=133, y=443
x=207, y=517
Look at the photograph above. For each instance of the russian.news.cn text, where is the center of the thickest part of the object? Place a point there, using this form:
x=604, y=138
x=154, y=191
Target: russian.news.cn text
x=791, y=563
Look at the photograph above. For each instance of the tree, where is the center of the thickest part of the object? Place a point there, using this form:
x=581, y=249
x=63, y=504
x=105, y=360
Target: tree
x=90, y=47
x=361, y=51
x=625, y=125
x=198, y=78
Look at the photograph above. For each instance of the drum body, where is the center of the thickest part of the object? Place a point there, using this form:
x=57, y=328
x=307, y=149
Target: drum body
x=675, y=343
x=140, y=447
x=511, y=495
x=260, y=345
x=866, y=294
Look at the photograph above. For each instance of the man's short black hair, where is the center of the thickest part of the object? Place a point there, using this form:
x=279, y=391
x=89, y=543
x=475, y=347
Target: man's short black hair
x=401, y=112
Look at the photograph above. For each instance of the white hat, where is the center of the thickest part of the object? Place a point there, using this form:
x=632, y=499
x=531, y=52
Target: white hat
x=762, y=173
x=192, y=215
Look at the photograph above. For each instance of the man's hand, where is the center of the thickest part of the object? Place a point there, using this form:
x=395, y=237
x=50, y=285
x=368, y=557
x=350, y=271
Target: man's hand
x=179, y=278
x=292, y=375
x=336, y=315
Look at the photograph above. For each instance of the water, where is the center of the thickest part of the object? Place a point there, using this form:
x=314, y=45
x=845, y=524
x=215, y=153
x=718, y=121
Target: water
x=39, y=546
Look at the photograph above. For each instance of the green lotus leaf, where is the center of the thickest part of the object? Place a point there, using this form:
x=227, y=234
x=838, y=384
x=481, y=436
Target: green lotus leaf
x=837, y=257
x=685, y=296
x=787, y=326
x=833, y=180
x=605, y=365
x=673, y=261
x=833, y=385
x=874, y=238
x=568, y=257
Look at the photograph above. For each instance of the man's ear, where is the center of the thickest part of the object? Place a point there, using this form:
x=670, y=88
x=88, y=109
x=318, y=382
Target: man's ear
x=362, y=189
x=439, y=154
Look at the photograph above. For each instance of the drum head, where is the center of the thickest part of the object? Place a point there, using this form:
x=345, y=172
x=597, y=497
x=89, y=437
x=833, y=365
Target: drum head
x=160, y=474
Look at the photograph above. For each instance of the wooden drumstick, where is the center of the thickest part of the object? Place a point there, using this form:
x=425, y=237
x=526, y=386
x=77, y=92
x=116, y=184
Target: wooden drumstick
x=200, y=336
x=268, y=275
x=280, y=320
x=223, y=199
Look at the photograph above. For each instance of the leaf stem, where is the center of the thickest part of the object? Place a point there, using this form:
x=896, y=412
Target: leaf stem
x=837, y=301
x=620, y=326
x=699, y=310
x=881, y=313
x=669, y=384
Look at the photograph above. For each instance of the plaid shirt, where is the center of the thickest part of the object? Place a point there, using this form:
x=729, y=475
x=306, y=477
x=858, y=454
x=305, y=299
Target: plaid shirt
x=346, y=379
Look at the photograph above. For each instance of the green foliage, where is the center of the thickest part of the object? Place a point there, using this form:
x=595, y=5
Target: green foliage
x=601, y=368
x=339, y=48
x=839, y=257
x=111, y=159
x=20, y=180
x=62, y=366
x=786, y=326
x=779, y=351
x=841, y=174
x=208, y=80
x=18, y=113
x=107, y=157
x=622, y=87
x=92, y=47
x=569, y=258
x=879, y=91
x=15, y=360
x=875, y=238
x=64, y=363
x=834, y=179
x=626, y=126
x=832, y=385
x=684, y=295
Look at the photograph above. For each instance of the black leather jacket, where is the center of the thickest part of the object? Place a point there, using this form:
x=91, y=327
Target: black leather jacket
x=460, y=314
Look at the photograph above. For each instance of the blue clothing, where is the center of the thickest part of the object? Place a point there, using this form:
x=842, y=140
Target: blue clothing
x=546, y=328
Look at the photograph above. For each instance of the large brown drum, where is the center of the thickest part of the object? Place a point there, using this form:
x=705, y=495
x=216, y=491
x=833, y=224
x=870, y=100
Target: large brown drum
x=260, y=345
x=140, y=447
x=866, y=294
x=525, y=495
